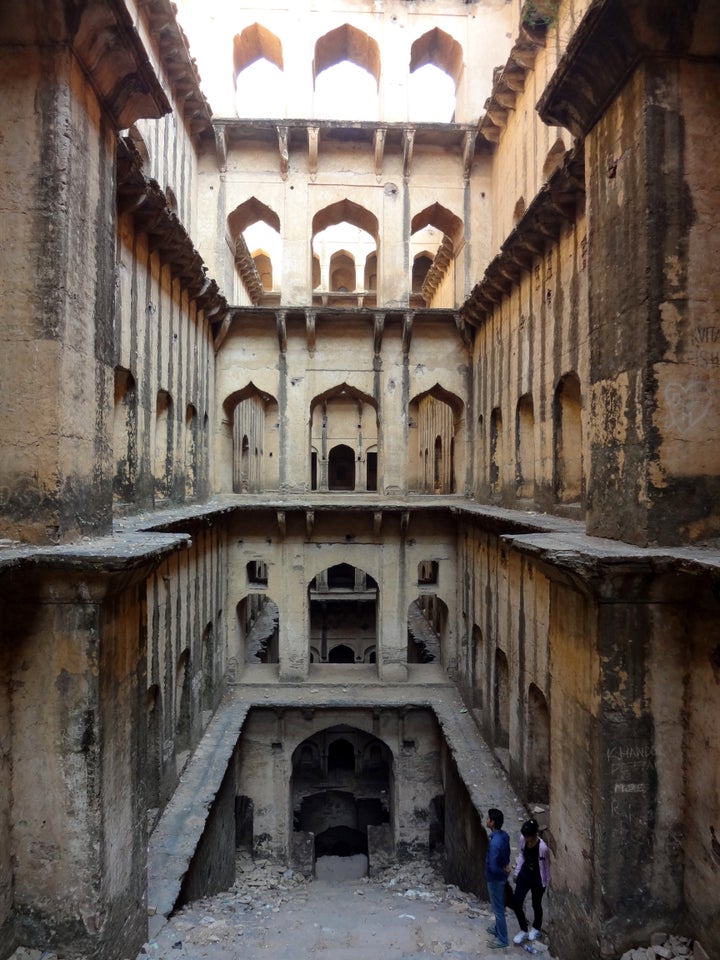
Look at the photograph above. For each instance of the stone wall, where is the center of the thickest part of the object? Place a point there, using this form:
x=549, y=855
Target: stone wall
x=265, y=769
x=213, y=866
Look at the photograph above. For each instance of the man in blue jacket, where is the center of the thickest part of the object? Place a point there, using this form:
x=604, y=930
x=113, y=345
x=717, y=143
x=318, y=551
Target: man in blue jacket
x=497, y=868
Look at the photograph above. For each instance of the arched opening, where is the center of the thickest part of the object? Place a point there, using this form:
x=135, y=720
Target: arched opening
x=342, y=271
x=124, y=436
x=538, y=747
x=258, y=621
x=163, y=445
x=477, y=659
x=343, y=615
x=525, y=447
x=341, y=789
x=344, y=235
x=252, y=415
x=421, y=264
x=496, y=451
x=371, y=471
x=431, y=95
x=253, y=225
x=191, y=451
x=518, y=211
x=341, y=468
x=567, y=422
x=426, y=627
x=183, y=690
x=439, y=49
x=436, y=233
x=436, y=417
x=336, y=416
x=208, y=669
x=502, y=701
x=258, y=71
x=428, y=572
x=341, y=756
x=263, y=265
x=341, y=653
x=346, y=75
x=154, y=742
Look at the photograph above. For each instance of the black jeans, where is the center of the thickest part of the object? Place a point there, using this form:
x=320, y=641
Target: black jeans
x=528, y=880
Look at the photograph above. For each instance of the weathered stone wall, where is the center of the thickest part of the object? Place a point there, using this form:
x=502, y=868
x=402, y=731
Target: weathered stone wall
x=294, y=558
x=265, y=768
x=504, y=607
x=699, y=817
x=394, y=27
x=535, y=343
x=435, y=360
x=74, y=672
x=162, y=444
x=213, y=866
x=186, y=655
x=654, y=465
x=466, y=839
x=56, y=231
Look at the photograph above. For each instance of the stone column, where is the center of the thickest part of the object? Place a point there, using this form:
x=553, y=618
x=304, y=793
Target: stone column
x=76, y=669
x=294, y=625
x=619, y=665
x=392, y=607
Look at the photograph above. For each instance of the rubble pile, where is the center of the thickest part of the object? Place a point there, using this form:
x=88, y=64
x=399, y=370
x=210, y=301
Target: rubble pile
x=664, y=946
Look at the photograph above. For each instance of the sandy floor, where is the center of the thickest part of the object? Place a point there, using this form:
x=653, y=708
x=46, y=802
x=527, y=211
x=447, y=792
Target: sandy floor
x=271, y=913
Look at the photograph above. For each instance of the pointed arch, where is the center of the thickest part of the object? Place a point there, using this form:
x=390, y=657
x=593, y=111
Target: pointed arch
x=347, y=43
x=441, y=218
x=437, y=416
x=343, y=439
x=249, y=212
x=264, y=267
x=345, y=391
x=256, y=43
x=342, y=271
x=440, y=49
x=421, y=264
x=346, y=211
x=567, y=439
x=249, y=412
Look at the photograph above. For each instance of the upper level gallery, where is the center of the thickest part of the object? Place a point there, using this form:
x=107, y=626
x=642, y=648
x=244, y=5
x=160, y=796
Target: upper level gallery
x=384, y=60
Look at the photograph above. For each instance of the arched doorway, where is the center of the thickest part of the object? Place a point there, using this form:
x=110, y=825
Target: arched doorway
x=341, y=792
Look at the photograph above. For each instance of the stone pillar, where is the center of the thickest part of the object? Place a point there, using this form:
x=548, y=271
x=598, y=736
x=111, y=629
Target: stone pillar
x=76, y=672
x=294, y=625
x=650, y=124
x=619, y=664
x=392, y=609
x=61, y=107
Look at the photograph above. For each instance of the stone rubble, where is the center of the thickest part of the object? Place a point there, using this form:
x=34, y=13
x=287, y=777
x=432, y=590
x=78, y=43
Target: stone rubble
x=664, y=946
x=262, y=887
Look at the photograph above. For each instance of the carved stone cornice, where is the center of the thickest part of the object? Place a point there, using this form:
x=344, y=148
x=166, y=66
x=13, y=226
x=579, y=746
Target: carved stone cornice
x=610, y=41
x=112, y=55
x=145, y=201
x=438, y=268
x=510, y=80
x=178, y=65
x=555, y=204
